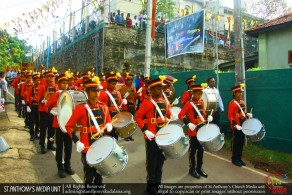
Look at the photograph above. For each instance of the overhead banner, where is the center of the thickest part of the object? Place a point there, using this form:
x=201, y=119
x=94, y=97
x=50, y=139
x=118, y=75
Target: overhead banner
x=185, y=35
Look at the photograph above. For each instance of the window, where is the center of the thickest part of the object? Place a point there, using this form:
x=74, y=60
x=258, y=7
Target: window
x=290, y=57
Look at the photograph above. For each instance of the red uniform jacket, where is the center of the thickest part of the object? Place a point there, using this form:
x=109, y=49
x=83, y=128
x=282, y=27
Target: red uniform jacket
x=235, y=116
x=103, y=97
x=186, y=97
x=81, y=115
x=81, y=87
x=23, y=89
x=147, y=117
x=73, y=87
x=131, y=99
x=42, y=90
x=145, y=94
x=192, y=116
x=31, y=96
x=15, y=83
x=52, y=102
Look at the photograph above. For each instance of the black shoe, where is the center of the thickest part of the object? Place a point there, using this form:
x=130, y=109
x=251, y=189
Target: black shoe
x=194, y=174
x=61, y=173
x=131, y=138
x=32, y=138
x=242, y=162
x=127, y=139
x=69, y=171
x=237, y=163
x=202, y=172
x=51, y=147
x=152, y=190
x=43, y=150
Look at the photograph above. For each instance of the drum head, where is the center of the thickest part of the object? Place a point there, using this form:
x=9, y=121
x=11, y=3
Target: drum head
x=173, y=132
x=100, y=150
x=251, y=126
x=208, y=132
x=123, y=119
x=175, y=110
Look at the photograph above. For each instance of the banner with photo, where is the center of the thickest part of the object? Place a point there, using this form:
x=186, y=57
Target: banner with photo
x=185, y=35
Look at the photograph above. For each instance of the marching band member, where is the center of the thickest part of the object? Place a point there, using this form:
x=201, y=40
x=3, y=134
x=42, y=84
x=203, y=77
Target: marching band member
x=151, y=116
x=112, y=98
x=143, y=91
x=188, y=94
x=23, y=89
x=131, y=98
x=168, y=93
x=196, y=114
x=85, y=77
x=16, y=84
x=236, y=116
x=46, y=119
x=81, y=114
x=62, y=139
x=71, y=85
x=33, y=106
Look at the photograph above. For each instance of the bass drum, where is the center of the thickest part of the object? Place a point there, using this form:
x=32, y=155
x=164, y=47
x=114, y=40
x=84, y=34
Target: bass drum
x=66, y=103
x=210, y=101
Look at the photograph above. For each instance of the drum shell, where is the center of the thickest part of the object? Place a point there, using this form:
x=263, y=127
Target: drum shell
x=213, y=144
x=176, y=110
x=176, y=149
x=255, y=125
x=210, y=101
x=128, y=127
x=114, y=163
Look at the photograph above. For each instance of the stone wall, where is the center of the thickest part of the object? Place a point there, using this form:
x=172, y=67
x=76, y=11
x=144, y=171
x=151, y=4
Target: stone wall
x=122, y=45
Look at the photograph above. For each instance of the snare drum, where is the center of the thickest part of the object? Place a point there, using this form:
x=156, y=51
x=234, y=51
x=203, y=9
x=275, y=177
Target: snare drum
x=253, y=129
x=107, y=157
x=66, y=103
x=174, y=143
x=210, y=137
x=176, y=110
x=210, y=101
x=125, y=125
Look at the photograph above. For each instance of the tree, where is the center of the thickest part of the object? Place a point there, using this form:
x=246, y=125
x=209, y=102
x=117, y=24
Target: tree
x=163, y=7
x=12, y=50
x=266, y=9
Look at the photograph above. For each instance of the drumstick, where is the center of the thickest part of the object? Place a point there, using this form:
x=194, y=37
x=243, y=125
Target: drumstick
x=89, y=147
x=249, y=118
x=102, y=130
x=174, y=101
x=208, y=121
x=162, y=134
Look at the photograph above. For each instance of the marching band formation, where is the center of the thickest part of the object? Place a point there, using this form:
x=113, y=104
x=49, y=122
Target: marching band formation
x=97, y=111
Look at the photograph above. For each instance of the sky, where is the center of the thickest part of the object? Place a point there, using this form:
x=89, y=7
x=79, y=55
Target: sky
x=229, y=3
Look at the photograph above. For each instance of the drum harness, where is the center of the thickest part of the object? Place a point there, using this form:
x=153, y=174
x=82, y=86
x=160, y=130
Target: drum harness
x=94, y=122
x=239, y=108
x=197, y=110
x=160, y=114
x=113, y=100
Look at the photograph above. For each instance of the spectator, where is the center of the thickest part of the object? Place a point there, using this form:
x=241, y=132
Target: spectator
x=123, y=19
x=3, y=86
x=144, y=22
x=112, y=17
x=140, y=19
x=119, y=19
x=135, y=23
x=128, y=21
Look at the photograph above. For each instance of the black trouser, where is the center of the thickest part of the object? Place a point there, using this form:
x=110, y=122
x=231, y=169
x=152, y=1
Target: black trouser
x=216, y=118
x=34, y=122
x=20, y=107
x=154, y=163
x=63, y=140
x=195, y=149
x=17, y=97
x=27, y=116
x=237, y=147
x=90, y=174
x=46, y=121
x=113, y=133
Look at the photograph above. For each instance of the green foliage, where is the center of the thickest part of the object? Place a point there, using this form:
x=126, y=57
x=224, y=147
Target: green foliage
x=163, y=7
x=254, y=69
x=12, y=50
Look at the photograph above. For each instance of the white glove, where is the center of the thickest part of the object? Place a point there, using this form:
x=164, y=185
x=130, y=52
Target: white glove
x=54, y=112
x=249, y=115
x=28, y=109
x=191, y=126
x=174, y=116
x=175, y=102
x=210, y=118
x=44, y=101
x=109, y=127
x=149, y=134
x=239, y=128
x=80, y=146
x=125, y=101
x=23, y=102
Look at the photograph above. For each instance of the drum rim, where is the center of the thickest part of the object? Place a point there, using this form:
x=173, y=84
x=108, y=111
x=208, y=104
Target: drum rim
x=182, y=133
x=126, y=122
x=210, y=124
x=254, y=119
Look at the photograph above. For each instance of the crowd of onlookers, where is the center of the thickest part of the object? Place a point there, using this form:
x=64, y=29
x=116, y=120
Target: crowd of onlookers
x=138, y=22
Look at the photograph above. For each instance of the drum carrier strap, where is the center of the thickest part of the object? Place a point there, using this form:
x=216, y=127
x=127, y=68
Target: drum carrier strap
x=166, y=99
x=113, y=100
x=197, y=110
x=239, y=108
x=92, y=117
x=158, y=109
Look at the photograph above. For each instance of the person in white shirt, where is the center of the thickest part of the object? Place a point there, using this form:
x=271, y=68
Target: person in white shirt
x=216, y=115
